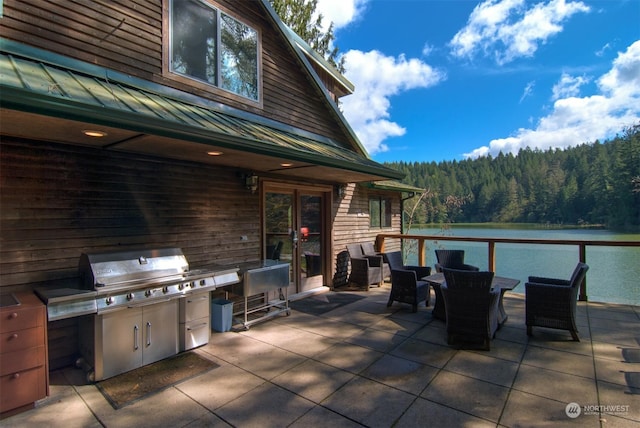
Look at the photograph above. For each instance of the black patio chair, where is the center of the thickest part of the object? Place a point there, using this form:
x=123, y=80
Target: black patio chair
x=453, y=259
x=365, y=270
x=368, y=249
x=273, y=251
x=395, y=262
x=406, y=288
x=551, y=302
x=471, y=307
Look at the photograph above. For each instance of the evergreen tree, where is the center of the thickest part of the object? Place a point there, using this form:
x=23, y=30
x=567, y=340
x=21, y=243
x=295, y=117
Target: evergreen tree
x=597, y=183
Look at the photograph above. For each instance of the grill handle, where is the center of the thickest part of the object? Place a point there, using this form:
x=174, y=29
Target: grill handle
x=148, y=333
x=135, y=337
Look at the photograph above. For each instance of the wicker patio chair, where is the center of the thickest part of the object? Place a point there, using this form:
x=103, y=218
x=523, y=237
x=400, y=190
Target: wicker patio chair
x=273, y=251
x=365, y=270
x=453, y=259
x=551, y=302
x=406, y=288
x=340, y=277
x=368, y=249
x=395, y=262
x=471, y=307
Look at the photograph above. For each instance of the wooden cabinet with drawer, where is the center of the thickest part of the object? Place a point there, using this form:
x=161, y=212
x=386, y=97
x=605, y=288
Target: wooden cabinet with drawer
x=24, y=376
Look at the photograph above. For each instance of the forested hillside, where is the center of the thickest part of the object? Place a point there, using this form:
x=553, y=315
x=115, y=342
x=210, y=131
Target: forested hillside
x=595, y=183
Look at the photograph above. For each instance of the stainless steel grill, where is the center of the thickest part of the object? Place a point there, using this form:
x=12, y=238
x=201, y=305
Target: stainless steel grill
x=142, y=305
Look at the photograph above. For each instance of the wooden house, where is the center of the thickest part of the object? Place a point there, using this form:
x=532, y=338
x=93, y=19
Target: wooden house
x=199, y=124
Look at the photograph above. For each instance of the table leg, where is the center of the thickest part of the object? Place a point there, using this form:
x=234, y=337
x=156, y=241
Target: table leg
x=502, y=314
x=438, y=307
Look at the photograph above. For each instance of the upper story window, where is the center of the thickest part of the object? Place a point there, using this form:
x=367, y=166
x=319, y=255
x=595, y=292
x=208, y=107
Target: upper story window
x=213, y=47
x=379, y=212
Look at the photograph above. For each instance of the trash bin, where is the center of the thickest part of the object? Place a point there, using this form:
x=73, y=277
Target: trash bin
x=221, y=314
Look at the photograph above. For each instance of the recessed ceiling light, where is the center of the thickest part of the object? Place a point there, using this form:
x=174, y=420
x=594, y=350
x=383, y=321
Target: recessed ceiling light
x=94, y=133
x=214, y=153
x=286, y=165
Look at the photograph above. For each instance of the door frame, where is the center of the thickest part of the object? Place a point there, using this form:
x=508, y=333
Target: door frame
x=298, y=189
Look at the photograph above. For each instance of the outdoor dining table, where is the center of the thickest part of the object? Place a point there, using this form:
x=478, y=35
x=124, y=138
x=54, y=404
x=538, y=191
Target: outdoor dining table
x=437, y=279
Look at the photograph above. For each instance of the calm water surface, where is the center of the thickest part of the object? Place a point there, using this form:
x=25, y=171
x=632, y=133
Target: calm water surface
x=614, y=272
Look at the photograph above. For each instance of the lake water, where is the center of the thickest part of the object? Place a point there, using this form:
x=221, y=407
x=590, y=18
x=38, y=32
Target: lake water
x=614, y=272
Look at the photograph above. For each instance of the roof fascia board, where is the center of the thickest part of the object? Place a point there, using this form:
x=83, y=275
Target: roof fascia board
x=318, y=59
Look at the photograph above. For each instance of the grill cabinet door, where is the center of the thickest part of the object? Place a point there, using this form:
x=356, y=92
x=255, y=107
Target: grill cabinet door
x=122, y=342
x=159, y=331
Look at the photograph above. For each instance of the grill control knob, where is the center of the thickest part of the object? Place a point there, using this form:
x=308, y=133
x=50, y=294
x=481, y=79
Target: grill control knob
x=203, y=282
x=193, y=284
x=148, y=293
x=110, y=300
x=165, y=289
x=181, y=286
x=129, y=296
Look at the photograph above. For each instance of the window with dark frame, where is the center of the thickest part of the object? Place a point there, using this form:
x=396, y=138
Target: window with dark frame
x=213, y=47
x=379, y=212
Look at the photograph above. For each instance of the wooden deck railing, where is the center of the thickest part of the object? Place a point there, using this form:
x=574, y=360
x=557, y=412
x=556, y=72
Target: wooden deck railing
x=491, y=247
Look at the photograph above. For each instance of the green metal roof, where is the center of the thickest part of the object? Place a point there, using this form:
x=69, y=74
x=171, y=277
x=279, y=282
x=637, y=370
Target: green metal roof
x=393, y=186
x=37, y=81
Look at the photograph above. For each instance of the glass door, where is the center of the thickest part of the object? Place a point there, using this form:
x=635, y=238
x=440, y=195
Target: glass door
x=310, y=242
x=294, y=233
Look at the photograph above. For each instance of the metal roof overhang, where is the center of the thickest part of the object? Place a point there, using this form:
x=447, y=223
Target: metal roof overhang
x=394, y=186
x=49, y=102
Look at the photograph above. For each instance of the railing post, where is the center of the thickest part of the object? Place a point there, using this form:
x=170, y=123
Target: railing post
x=422, y=255
x=583, y=287
x=492, y=256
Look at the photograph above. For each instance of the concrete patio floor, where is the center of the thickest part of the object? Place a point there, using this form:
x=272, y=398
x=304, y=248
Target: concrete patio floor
x=364, y=364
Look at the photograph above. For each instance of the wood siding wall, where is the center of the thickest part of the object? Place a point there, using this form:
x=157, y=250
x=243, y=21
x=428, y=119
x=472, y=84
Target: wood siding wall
x=351, y=224
x=126, y=36
x=59, y=201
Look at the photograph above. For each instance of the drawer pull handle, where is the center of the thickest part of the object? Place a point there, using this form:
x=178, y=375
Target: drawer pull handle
x=13, y=315
x=197, y=327
x=14, y=336
x=15, y=376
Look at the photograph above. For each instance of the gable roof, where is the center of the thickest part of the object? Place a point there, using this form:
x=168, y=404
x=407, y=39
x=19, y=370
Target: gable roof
x=300, y=47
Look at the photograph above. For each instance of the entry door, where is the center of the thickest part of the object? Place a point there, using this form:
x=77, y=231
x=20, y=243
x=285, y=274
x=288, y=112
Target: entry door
x=294, y=232
x=310, y=242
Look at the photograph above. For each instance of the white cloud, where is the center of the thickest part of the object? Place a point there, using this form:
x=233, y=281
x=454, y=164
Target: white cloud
x=579, y=120
x=340, y=12
x=427, y=49
x=528, y=90
x=377, y=78
x=507, y=30
x=568, y=86
x=603, y=50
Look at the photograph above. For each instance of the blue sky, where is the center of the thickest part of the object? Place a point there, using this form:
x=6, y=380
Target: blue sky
x=450, y=79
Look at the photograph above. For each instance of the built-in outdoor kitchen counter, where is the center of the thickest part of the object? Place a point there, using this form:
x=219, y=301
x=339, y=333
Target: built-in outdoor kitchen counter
x=142, y=306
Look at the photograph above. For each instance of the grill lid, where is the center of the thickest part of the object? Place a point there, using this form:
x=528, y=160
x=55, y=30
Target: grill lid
x=120, y=268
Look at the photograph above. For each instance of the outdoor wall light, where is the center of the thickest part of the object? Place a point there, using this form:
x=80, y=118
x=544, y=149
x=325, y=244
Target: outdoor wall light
x=341, y=190
x=251, y=182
